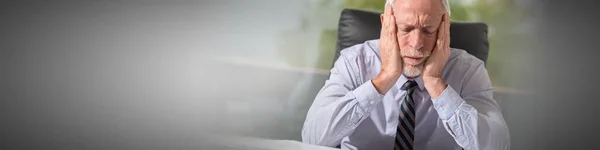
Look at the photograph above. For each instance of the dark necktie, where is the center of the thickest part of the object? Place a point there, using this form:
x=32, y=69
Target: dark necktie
x=406, y=120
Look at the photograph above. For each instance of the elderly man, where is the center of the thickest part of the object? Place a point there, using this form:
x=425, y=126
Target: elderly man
x=408, y=90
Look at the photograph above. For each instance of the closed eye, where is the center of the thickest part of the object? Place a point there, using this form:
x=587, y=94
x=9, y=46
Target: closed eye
x=406, y=29
x=427, y=32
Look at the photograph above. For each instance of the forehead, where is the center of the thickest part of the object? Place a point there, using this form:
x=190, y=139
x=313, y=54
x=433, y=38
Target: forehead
x=421, y=10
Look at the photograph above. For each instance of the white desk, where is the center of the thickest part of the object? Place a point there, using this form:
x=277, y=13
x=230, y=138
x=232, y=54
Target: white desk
x=250, y=143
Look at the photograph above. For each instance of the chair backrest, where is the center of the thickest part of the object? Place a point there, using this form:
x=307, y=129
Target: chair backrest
x=357, y=26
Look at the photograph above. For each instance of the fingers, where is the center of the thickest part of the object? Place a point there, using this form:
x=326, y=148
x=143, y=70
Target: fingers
x=392, y=27
x=388, y=31
x=388, y=10
x=388, y=23
x=391, y=18
x=447, y=22
x=442, y=29
x=444, y=32
x=391, y=23
x=385, y=17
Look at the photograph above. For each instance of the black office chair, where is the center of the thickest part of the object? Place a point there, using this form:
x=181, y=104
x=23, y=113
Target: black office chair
x=357, y=26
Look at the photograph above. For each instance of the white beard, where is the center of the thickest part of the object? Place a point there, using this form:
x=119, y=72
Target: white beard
x=414, y=70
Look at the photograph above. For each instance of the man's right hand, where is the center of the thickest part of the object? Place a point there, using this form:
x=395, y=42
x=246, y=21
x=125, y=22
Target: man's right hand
x=391, y=60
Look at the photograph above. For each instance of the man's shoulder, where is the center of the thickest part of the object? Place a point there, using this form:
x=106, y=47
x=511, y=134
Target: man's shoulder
x=365, y=50
x=461, y=64
x=463, y=58
x=361, y=60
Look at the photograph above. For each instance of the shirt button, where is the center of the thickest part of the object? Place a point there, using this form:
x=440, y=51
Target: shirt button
x=372, y=102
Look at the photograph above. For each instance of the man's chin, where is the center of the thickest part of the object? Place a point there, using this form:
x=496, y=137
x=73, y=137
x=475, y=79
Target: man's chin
x=411, y=71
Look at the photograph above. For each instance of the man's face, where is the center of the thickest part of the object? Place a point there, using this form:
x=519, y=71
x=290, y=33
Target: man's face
x=417, y=22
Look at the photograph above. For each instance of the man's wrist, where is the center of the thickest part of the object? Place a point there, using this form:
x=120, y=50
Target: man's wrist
x=384, y=82
x=435, y=86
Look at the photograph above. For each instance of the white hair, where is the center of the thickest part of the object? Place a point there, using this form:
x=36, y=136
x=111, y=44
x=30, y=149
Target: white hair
x=444, y=3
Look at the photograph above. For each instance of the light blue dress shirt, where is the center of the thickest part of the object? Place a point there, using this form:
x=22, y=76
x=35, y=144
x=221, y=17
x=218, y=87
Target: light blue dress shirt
x=348, y=111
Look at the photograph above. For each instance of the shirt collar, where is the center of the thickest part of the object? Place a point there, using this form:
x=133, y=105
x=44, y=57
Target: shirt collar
x=403, y=80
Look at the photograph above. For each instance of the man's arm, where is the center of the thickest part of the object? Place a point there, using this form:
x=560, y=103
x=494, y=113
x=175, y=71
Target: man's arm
x=339, y=107
x=472, y=117
x=474, y=120
x=346, y=99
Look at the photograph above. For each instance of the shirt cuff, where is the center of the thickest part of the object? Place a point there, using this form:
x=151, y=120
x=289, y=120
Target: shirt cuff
x=367, y=96
x=447, y=103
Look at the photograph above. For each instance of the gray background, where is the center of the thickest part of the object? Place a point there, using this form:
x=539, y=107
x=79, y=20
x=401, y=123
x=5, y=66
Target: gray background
x=110, y=74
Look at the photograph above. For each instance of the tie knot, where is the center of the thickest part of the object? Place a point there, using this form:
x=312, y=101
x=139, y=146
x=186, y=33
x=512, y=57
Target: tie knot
x=409, y=85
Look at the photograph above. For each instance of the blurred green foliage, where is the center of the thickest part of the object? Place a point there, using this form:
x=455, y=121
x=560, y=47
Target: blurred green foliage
x=313, y=43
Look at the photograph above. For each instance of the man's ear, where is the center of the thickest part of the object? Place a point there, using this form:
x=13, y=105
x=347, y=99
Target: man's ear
x=381, y=17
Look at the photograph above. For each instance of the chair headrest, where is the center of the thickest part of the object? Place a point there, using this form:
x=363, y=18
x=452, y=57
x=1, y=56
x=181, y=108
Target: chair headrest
x=357, y=26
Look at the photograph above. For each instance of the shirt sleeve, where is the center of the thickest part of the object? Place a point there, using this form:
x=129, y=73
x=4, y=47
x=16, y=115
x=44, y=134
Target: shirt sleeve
x=472, y=117
x=340, y=106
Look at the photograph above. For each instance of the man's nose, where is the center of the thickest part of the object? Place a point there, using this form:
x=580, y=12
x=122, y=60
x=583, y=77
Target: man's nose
x=416, y=39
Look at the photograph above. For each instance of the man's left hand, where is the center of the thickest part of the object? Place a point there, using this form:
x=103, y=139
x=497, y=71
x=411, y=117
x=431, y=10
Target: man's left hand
x=434, y=66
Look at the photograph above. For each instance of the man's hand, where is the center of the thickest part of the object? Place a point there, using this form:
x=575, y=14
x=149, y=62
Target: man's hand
x=391, y=60
x=433, y=70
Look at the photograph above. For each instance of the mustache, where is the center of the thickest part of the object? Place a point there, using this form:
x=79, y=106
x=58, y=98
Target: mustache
x=414, y=53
